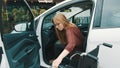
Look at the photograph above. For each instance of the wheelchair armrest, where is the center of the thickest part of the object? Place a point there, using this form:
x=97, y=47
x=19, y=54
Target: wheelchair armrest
x=84, y=54
x=76, y=53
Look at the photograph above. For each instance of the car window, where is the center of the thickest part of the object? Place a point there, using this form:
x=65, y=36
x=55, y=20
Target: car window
x=110, y=14
x=83, y=18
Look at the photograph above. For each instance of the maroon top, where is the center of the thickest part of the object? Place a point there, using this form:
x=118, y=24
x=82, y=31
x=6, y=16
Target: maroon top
x=74, y=39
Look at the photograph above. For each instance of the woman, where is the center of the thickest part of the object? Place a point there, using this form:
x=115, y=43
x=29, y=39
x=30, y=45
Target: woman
x=69, y=35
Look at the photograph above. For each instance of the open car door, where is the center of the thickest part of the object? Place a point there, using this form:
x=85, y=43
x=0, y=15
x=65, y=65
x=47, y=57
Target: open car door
x=22, y=50
x=18, y=35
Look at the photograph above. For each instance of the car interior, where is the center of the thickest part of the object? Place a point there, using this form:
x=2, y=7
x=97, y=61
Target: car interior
x=80, y=18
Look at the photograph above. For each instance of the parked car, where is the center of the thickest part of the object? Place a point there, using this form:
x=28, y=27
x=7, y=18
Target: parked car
x=33, y=46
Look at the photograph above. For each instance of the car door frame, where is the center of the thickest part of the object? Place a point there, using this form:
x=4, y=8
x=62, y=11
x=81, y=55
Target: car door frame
x=40, y=22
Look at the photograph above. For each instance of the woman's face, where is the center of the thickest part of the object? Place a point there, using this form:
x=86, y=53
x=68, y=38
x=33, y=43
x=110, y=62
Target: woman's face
x=59, y=20
x=59, y=26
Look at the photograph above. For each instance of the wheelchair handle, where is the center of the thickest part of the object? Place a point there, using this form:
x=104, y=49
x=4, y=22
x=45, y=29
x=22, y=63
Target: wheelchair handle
x=108, y=45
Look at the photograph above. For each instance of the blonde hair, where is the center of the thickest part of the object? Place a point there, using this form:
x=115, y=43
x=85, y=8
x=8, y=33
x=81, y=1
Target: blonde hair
x=61, y=34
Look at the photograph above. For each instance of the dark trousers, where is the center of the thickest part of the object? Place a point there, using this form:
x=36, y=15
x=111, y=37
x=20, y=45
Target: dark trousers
x=58, y=48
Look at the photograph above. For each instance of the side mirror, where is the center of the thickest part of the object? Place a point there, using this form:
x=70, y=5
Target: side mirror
x=20, y=27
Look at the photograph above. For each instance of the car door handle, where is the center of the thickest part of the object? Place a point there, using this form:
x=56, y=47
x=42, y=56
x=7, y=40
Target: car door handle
x=32, y=35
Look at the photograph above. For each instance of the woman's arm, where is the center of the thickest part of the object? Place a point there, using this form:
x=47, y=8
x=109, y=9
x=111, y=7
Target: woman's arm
x=63, y=54
x=59, y=59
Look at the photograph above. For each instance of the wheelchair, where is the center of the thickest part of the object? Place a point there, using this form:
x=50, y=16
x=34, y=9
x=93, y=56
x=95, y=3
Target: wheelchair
x=86, y=60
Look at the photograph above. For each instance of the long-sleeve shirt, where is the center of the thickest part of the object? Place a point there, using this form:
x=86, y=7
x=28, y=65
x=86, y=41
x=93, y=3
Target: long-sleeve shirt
x=74, y=39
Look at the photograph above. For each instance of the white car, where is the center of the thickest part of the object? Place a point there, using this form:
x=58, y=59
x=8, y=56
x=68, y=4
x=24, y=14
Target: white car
x=99, y=21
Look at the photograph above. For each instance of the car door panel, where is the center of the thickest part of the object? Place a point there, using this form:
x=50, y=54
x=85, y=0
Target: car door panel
x=22, y=50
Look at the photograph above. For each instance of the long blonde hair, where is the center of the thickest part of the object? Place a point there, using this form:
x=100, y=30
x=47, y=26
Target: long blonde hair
x=61, y=34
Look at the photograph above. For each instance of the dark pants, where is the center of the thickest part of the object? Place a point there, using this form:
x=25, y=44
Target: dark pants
x=58, y=48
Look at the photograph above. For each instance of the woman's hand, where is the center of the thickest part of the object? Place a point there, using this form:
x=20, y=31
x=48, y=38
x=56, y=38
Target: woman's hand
x=56, y=63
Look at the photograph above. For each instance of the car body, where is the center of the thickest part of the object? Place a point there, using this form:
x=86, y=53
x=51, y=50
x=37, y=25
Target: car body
x=33, y=47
